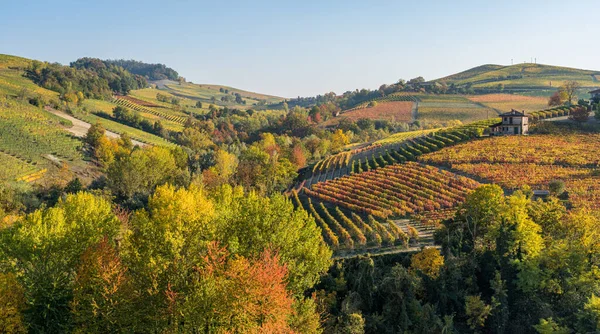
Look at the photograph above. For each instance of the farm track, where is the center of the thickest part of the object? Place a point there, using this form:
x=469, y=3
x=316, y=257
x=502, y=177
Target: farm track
x=80, y=128
x=414, y=112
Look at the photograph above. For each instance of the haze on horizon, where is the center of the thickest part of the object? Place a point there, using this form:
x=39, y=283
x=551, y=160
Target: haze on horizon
x=308, y=48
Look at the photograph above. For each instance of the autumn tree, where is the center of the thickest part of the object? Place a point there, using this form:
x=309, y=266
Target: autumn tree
x=94, y=135
x=12, y=305
x=46, y=248
x=570, y=89
x=557, y=99
x=429, y=261
x=103, y=294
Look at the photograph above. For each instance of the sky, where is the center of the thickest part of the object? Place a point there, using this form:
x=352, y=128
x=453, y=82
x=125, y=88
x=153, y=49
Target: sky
x=304, y=48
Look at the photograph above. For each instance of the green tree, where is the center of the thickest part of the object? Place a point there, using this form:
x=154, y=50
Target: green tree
x=46, y=247
x=132, y=178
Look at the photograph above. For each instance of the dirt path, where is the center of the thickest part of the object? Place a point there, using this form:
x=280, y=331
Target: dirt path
x=80, y=127
x=414, y=112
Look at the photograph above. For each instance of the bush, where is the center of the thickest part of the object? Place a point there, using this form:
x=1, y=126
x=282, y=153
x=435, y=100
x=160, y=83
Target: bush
x=556, y=187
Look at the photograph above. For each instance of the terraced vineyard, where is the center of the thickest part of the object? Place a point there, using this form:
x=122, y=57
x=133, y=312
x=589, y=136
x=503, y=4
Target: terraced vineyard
x=344, y=230
x=400, y=147
x=396, y=190
x=170, y=115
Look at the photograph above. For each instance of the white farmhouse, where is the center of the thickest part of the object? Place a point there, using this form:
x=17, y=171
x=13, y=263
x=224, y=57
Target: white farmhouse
x=513, y=123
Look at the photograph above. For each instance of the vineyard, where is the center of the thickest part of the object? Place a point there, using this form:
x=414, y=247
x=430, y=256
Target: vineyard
x=344, y=230
x=12, y=168
x=119, y=128
x=140, y=102
x=397, y=190
x=534, y=160
x=396, y=97
x=506, y=102
x=27, y=136
x=173, y=116
x=550, y=113
x=400, y=111
x=398, y=148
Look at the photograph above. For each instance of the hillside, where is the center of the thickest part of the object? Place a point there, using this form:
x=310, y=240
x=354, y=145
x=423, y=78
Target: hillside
x=521, y=77
x=219, y=95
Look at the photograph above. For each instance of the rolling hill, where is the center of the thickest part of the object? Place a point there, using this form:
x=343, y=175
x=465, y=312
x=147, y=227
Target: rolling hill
x=521, y=77
x=223, y=95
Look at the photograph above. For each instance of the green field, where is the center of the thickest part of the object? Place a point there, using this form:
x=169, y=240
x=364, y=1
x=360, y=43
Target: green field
x=205, y=92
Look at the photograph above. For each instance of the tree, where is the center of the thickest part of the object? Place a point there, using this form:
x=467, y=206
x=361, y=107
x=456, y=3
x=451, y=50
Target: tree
x=570, y=88
x=12, y=304
x=477, y=312
x=235, y=294
x=338, y=140
x=481, y=212
x=557, y=99
x=429, y=261
x=46, y=248
x=249, y=222
x=133, y=177
x=198, y=104
x=94, y=134
x=103, y=294
x=556, y=187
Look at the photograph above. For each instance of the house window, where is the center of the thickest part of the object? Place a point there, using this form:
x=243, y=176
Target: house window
x=511, y=120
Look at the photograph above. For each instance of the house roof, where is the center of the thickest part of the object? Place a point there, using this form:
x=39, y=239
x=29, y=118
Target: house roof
x=513, y=113
x=597, y=91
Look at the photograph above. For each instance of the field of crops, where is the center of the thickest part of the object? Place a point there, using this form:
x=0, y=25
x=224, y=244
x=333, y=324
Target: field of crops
x=399, y=111
x=535, y=160
x=28, y=136
x=445, y=108
x=119, y=128
x=507, y=102
x=29, y=133
x=400, y=147
x=345, y=230
x=170, y=115
x=12, y=168
x=396, y=190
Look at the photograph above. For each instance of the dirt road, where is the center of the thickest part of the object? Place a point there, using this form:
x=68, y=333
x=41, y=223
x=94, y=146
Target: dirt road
x=80, y=127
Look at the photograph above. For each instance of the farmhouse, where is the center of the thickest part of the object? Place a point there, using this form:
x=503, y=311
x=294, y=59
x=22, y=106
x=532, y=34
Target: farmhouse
x=513, y=123
x=595, y=95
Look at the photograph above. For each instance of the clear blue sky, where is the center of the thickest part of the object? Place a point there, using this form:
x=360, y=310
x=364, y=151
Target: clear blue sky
x=292, y=48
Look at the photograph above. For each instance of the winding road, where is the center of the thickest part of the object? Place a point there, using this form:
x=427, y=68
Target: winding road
x=80, y=127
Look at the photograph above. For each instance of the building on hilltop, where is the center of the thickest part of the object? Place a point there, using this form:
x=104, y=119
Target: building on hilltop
x=513, y=123
x=595, y=96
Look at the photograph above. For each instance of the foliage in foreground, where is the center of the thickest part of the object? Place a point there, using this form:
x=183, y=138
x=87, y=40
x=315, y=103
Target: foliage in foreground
x=507, y=265
x=82, y=266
